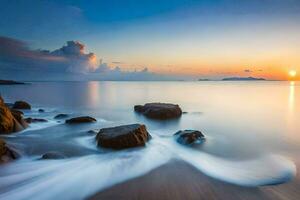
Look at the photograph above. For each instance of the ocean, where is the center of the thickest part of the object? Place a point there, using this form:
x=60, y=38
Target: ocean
x=251, y=129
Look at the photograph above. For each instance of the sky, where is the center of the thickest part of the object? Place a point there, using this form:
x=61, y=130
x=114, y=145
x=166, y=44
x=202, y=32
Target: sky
x=149, y=39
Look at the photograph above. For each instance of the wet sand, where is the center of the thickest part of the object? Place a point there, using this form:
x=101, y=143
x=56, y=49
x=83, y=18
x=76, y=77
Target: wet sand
x=178, y=180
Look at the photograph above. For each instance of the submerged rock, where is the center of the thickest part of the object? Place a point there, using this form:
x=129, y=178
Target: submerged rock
x=6, y=154
x=21, y=105
x=159, y=110
x=10, y=120
x=84, y=119
x=35, y=120
x=53, y=155
x=187, y=137
x=92, y=132
x=41, y=110
x=121, y=137
x=61, y=116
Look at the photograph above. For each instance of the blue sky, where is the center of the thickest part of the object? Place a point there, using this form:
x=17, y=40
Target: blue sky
x=190, y=37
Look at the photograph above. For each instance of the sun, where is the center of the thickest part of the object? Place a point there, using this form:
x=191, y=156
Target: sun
x=292, y=73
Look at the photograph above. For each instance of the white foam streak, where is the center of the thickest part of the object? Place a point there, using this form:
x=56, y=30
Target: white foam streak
x=77, y=178
x=264, y=170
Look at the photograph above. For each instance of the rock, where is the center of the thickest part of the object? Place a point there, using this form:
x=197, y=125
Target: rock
x=18, y=115
x=84, y=119
x=19, y=112
x=7, y=120
x=121, y=137
x=159, y=110
x=21, y=105
x=41, y=110
x=61, y=116
x=10, y=120
x=53, y=155
x=34, y=120
x=187, y=137
x=6, y=154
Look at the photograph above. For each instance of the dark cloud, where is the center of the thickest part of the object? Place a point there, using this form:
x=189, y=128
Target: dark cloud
x=247, y=70
x=15, y=54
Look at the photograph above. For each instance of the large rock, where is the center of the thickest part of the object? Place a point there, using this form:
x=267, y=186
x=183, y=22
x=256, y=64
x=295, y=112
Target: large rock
x=188, y=137
x=159, y=110
x=10, y=120
x=18, y=115
x=122, y=137
x=6, y=154
x=77, y=120
x=21, y=105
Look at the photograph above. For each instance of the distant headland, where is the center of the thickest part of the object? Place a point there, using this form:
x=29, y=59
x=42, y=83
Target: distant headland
x=10, y=82
x=243, y=79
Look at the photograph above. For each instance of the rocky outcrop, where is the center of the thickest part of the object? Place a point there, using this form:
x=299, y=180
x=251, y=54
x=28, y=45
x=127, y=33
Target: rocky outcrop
x=61, y=116
x=10, y=120
x=41, y=110
x=159, y=110
x=18, y=115
x=21, y=105
x=77, y=120
x=121, y=137
x=35, y=120
x=188, y=137
x=6, y=154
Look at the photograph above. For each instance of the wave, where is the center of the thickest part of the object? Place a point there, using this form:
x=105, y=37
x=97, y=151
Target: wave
x=78, y=178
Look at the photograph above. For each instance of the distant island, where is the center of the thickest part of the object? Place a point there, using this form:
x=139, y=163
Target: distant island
x=204, y=79
x=10, y=82
x=243, y=79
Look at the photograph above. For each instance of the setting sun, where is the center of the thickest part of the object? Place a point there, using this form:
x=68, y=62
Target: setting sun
x=292, y=73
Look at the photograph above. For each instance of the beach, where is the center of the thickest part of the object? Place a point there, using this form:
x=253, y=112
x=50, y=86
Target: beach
x=178, y=180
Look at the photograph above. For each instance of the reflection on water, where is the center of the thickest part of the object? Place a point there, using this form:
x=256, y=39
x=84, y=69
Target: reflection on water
x=94, y=96
x=292, y=95
x=251, y=130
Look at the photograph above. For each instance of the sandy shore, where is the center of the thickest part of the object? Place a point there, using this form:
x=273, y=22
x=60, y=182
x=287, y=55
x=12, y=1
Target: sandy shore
x=177, y=180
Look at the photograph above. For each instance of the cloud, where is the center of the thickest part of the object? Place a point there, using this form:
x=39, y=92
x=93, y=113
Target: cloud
x=248, y=71
x=117, y=62
x=106, y=72
x=71, y=58
x=70, y=62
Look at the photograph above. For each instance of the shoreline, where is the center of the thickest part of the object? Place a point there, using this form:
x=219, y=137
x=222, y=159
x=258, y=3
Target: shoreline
x=178, y=180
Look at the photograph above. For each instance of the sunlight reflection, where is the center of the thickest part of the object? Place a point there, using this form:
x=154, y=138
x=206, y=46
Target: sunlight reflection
x=93, y=92
x=292, y=96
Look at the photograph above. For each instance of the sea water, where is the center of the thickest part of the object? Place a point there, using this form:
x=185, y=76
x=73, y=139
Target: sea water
x=251, y=130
